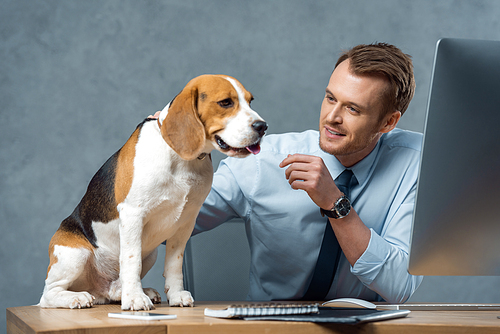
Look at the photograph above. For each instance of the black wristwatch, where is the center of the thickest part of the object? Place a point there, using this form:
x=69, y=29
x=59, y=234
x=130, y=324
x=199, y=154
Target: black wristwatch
x=341, y=208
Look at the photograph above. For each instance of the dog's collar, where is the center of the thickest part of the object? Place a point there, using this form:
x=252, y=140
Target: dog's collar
x=204, y=155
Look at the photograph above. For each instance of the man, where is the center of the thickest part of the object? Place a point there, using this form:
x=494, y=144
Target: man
x=279, y=192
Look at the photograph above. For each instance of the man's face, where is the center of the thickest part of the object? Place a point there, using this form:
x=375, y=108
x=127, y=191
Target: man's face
x=350, y=121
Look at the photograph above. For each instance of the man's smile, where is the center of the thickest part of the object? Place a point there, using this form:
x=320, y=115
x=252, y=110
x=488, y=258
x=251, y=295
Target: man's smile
x=333, y=132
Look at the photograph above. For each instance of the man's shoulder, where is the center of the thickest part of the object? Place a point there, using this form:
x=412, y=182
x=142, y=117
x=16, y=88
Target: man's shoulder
x=399, y=138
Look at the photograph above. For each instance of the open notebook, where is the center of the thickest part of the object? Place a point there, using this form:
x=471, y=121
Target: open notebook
x=262, y=309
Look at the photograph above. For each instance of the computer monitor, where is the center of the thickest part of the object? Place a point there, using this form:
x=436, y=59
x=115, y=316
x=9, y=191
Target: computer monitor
x=456, y=222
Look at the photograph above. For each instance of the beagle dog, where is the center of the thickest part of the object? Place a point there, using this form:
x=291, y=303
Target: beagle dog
x=150, y=191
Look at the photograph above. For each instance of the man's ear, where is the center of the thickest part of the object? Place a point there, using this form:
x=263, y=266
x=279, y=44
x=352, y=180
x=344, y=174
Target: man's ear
x=390, y=122
x=182, y=128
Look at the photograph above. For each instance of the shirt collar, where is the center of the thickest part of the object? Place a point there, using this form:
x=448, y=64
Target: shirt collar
x=362, y=169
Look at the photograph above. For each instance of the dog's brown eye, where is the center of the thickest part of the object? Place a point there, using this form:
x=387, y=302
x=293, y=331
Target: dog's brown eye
x=227, y=103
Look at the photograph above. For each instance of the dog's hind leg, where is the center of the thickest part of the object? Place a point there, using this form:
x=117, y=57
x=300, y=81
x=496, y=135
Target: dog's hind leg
x=67, y=265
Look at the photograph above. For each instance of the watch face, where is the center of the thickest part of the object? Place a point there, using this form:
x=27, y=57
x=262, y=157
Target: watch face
x=343, y=207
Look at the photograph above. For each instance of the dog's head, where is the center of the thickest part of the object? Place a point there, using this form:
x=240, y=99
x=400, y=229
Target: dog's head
x=212, y=112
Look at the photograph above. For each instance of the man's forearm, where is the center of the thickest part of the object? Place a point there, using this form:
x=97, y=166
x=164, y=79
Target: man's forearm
x=353, y=236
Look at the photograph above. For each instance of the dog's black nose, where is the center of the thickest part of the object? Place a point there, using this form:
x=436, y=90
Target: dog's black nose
x=260, y=127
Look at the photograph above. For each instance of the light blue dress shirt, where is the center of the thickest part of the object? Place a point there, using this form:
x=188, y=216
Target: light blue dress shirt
x=285, y=228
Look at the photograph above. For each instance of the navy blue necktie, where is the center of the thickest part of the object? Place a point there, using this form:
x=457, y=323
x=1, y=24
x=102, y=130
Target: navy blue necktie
x=330, y=251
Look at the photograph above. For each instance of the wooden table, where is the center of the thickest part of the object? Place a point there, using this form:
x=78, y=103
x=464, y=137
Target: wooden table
x=33, y=319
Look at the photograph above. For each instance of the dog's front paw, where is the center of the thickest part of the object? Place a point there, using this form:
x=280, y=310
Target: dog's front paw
x=180, y=298
x=153, y=295
x=136, y=302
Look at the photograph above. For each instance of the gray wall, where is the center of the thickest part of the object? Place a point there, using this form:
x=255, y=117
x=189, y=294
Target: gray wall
x=77, y=76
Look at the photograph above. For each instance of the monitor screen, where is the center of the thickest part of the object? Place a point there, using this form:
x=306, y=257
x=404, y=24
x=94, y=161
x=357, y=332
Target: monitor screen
x=456, y=222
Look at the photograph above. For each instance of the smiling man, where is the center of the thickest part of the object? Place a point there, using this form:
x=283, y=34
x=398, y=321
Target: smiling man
x=357, y=170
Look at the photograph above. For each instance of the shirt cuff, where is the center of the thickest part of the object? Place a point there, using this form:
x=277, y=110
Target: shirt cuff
x=372, y=260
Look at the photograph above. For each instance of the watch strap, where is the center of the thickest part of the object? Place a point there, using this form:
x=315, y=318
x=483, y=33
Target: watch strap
x=329, y=213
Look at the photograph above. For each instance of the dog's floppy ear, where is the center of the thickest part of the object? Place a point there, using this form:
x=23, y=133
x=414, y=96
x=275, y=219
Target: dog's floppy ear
x=182, y=128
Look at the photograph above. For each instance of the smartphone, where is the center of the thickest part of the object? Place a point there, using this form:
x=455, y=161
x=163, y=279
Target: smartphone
x=142, y=316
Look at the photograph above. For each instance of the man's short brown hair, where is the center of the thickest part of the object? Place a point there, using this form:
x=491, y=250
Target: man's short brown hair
x=389, y=61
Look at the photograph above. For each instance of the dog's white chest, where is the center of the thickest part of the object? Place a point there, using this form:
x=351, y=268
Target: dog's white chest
x=160, y=175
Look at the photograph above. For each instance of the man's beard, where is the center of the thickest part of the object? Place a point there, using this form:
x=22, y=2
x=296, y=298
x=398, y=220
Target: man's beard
x=349, y=148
